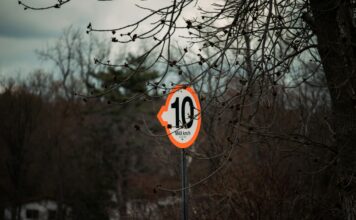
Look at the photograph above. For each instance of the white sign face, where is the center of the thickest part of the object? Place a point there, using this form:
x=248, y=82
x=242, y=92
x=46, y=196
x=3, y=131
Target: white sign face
x=181, y=116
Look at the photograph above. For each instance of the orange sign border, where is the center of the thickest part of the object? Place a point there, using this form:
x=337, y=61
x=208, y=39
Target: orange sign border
x=164, y=108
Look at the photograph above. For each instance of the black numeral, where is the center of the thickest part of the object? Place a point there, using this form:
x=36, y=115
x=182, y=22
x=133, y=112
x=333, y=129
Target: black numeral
x=175, y=105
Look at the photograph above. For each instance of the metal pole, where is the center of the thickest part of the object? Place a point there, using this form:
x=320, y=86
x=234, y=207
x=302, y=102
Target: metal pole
x=184, y=186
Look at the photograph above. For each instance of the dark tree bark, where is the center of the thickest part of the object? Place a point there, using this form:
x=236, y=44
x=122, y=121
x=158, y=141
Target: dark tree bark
x=336, y=45
x=2, y=213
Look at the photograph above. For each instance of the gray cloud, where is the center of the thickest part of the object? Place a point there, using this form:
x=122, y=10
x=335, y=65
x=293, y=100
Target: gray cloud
x=14, y=23
x=24, y=31
x=20, y=29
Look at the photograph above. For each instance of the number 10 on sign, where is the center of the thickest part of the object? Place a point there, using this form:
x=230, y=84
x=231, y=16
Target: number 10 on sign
x=181, y=116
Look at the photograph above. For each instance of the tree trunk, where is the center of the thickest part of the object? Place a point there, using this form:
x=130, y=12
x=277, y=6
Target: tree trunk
x=2, y=213
x=336, y=45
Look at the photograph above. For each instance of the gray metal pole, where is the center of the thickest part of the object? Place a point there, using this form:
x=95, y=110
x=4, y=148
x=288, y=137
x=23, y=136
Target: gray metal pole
x=184, y=186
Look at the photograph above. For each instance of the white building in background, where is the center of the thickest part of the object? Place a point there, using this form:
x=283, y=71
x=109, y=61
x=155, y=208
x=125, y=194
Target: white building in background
x=45, y=209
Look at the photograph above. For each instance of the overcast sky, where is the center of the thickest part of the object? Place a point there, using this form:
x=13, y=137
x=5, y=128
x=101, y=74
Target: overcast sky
x=23, y=31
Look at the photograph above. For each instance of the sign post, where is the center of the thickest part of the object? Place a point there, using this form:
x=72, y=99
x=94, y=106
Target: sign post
x=181, y=117
x=184, y=186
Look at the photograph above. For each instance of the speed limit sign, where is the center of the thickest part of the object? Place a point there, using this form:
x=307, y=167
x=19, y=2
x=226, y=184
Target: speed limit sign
x=181, y=116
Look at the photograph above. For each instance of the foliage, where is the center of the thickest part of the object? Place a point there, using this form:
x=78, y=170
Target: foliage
x=125, y=82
